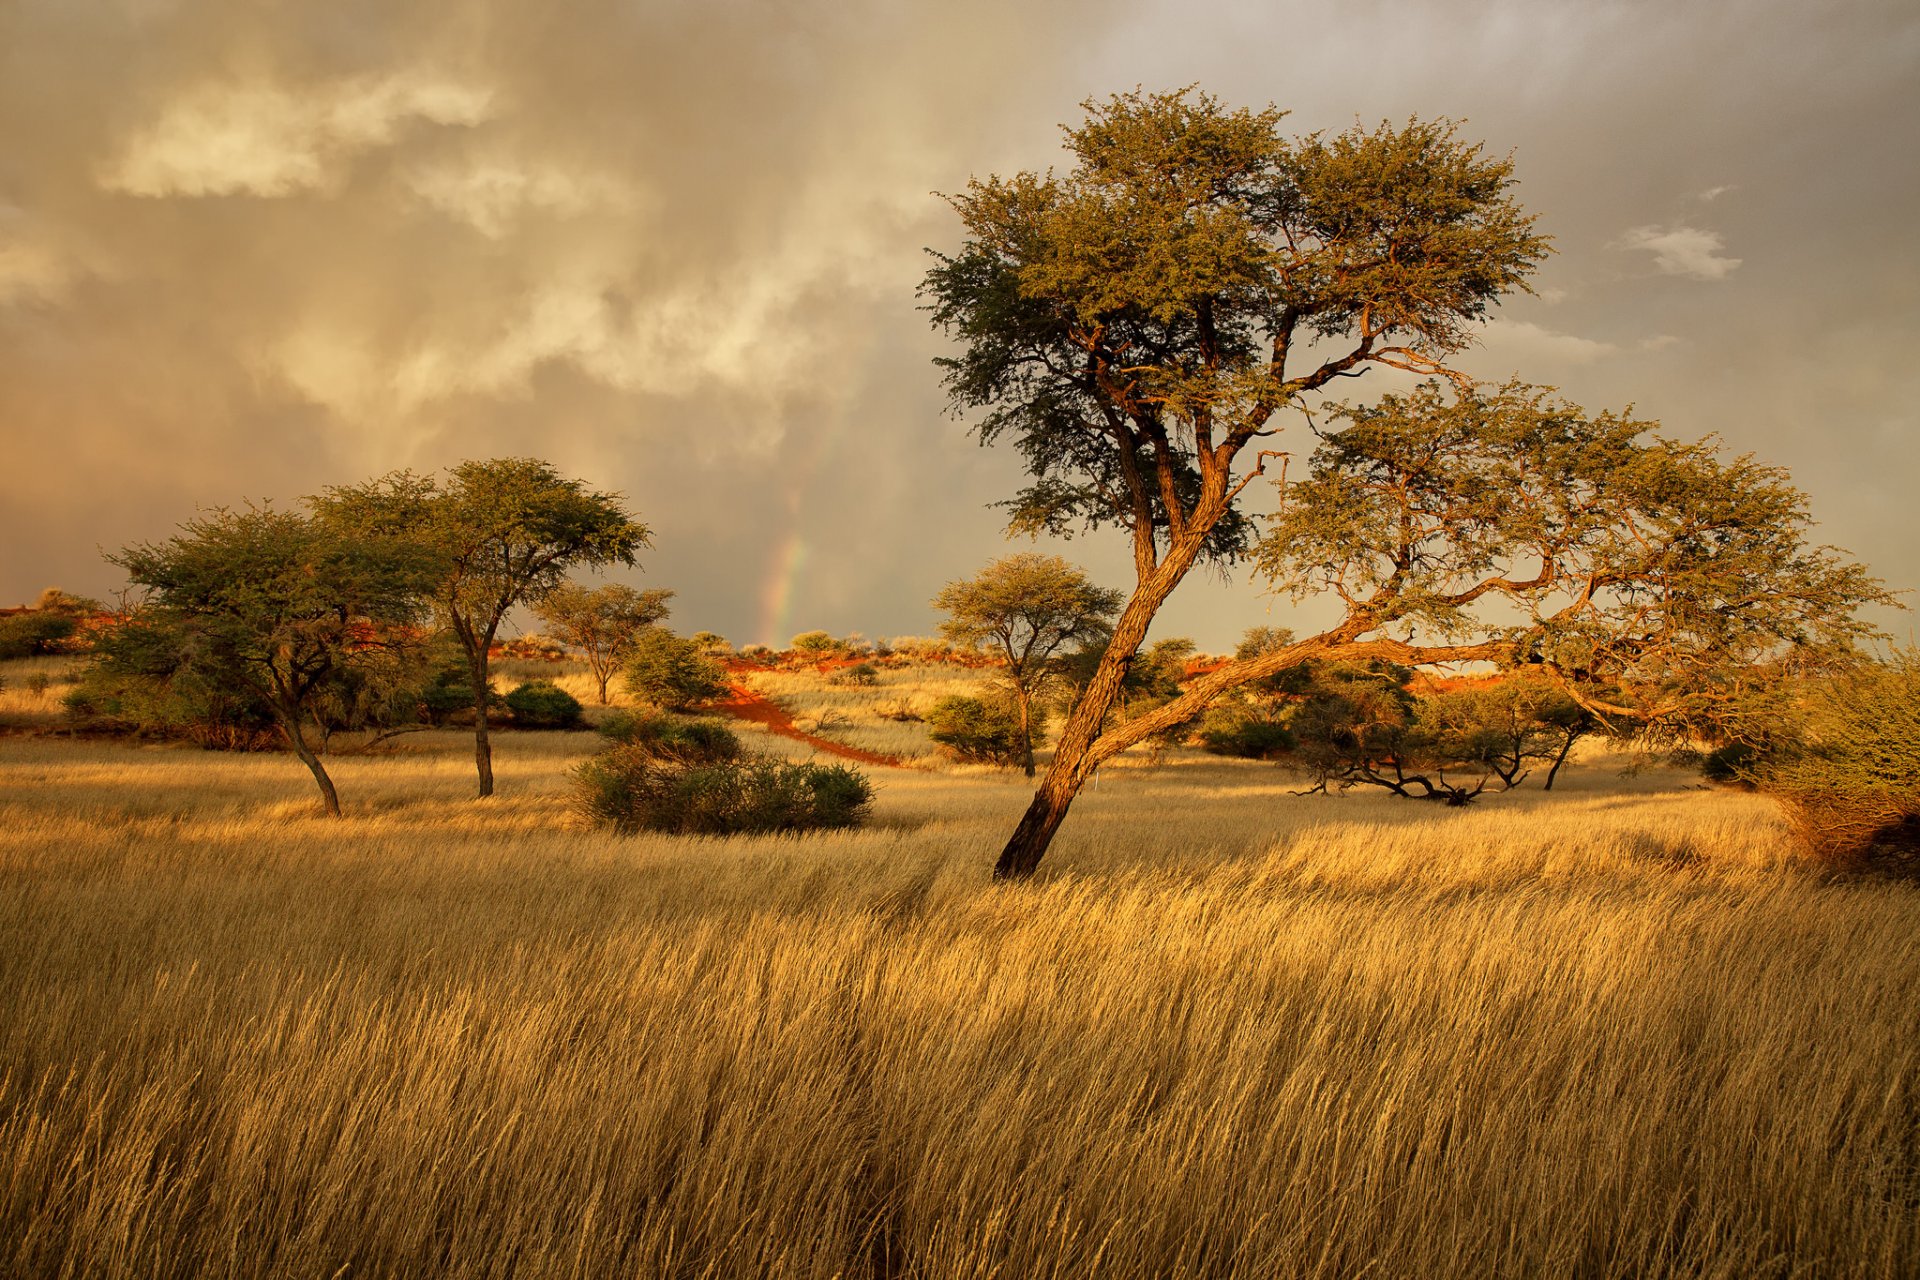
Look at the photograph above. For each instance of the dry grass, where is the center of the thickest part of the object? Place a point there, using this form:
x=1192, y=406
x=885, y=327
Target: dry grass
x=1612, y=1032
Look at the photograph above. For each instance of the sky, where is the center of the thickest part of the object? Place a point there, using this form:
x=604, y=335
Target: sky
x=250, y=249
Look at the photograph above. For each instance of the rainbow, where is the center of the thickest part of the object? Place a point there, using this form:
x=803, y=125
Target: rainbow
x=776, y=594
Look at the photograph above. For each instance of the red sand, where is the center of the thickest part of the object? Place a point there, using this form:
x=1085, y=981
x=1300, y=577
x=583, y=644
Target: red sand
x=743, y=703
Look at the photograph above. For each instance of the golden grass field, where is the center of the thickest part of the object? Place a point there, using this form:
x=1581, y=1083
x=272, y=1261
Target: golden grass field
x=1613, y=1031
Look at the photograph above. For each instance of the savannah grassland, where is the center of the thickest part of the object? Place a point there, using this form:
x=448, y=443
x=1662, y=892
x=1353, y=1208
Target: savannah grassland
x=1618, y=1030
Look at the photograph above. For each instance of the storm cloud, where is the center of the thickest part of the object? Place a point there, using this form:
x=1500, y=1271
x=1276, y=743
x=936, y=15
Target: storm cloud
x=249, y=250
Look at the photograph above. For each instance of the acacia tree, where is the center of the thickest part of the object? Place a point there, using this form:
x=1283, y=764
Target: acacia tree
x=1510, y=725
x=1026, y=608
x=272, y=603
x=1645, y=576
x=603, y=623
x=1135, y=325
x=503, y=532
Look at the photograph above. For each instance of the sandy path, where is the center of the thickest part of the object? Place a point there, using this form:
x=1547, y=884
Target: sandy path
x=743, y=703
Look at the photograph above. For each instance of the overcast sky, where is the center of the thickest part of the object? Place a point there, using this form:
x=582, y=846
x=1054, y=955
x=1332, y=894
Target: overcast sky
x=250, y=249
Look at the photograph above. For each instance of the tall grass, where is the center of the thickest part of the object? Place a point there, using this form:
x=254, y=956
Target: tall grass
x=1230, y=1031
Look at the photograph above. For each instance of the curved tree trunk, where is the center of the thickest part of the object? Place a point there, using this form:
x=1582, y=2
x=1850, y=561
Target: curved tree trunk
x=1073, y=755
x=329, y=798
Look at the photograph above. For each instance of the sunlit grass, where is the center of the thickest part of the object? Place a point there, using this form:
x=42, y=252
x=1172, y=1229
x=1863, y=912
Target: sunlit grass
x=1231, y=1031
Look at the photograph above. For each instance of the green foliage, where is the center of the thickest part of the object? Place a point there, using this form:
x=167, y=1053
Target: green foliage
x=1245, y=731
x=1123, y=321
x=631, y=789
x=671, y=671
x=602, y=623
x=1850, y=786
x=860, y=673
x=1513, y=527
x=541, y=704
x=39, y=631
x=270, y=607
x=672, y=738
x=1025, y=609
x=814, y=644
x=981, y=730
x=1507, y=725
x=126, y=690
x=498, y=533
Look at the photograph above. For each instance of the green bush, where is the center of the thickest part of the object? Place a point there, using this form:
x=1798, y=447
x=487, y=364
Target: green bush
x=179, y=705
x=860, y=673
x=981, y=730
x=541, y=704
x=672, y=738
x=26, y=635
x=630, y=789
x=671, y=672
x=1246, y=734
x=814, y=644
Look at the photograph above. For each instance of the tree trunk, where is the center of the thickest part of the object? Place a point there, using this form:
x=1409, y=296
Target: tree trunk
x=1073, y=758
x=482, y=748
x=329, y=798
x=1026, y=726
x=1560, y=759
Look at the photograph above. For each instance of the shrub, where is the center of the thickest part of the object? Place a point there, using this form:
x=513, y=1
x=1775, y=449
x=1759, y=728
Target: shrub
x=181, y=705
x=39, y=682
x=26, y=635
x=1246, y=734
x=670, y=671
x=541, y=704
x=665, y=737
x=814, y=644
x=1851, y=789
x=446, y=697
x=631, y=790
x=983, y=730
x=861, y=673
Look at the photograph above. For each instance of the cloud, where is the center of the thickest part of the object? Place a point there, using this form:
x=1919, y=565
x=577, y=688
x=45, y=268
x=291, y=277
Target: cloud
x=1529, y=343
x=266, y=140
x=1682, y=251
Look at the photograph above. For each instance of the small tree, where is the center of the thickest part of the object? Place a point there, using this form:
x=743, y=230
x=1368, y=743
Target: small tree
x=271, y=603
x=602, y=623
x=504, y=532
x=671, y=671
x=1025, y=609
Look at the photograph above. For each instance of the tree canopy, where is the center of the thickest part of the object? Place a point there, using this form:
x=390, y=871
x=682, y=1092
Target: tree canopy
x=503, y=532
x=273, y=603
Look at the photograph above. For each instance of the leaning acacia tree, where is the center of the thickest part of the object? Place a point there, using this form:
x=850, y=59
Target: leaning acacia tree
x=502, y=533
x=1136, y=326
